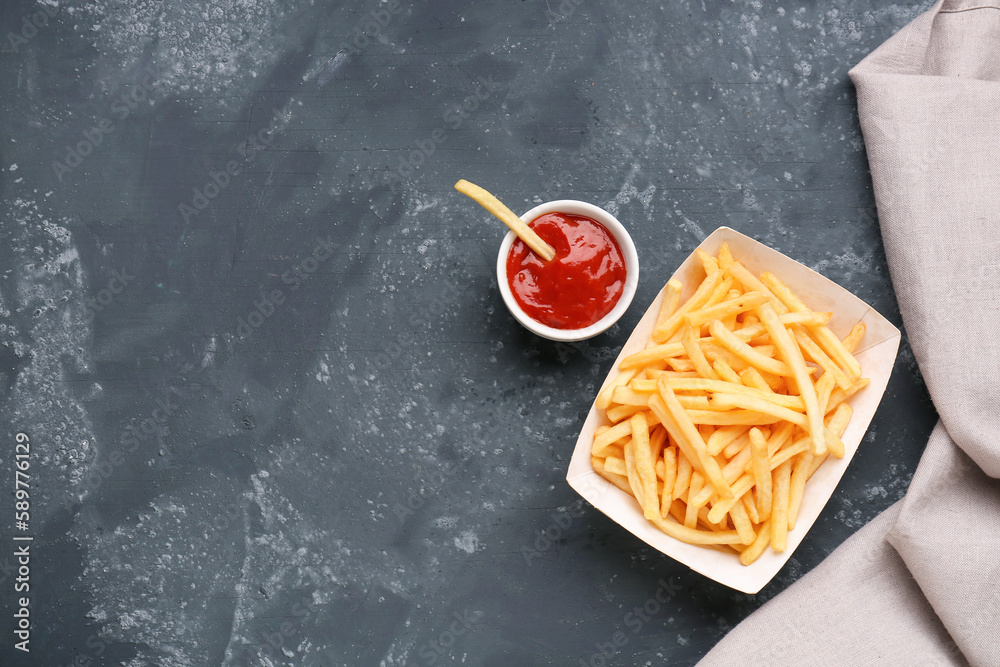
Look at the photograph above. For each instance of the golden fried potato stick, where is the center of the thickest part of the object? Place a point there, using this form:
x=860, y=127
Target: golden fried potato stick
x=725, y=371
x=761, y=471
x=815, y=353
x=663, y=331
x=644, y=466
x=518, y=226
x=730, y=417
x=694, y=536
x=749, y=354
x=623, y=412
x=669, y=477
x=684, y=433
x=751, y=283
x=751, y=508
x=701, y=366
x=792, y=355
x=683, y=480
x=854, y=337
x=671, y=297
x=839, y=396
x=618, y=480
x=797, y=485
x=723, y=436
x=753, y=552
x=721, y=387
x=723, y=309
x=610, y=436
x=699, y=403
x=737, y=445
x=779, y=506
x=824, y=387
x=632, y=472
x=622, y=379
x=615, y=465
x=691, y=511
x=631, y=396
x=741, y=522
x=726, y=401
x=826, y=338
x=709, y=263
x=650, y=354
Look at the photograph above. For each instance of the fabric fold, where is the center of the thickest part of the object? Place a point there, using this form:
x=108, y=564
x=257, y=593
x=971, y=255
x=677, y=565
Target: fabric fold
x=923, y=579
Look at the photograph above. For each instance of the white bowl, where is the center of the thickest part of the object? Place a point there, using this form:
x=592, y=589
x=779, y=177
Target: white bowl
x=617, y=230
x=877, y=355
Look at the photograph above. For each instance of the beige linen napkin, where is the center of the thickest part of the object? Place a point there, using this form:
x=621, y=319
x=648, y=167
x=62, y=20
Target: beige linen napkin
x=920, y=585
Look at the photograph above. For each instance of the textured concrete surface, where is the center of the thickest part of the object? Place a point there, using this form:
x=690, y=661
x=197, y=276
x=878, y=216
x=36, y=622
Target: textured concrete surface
x=278, y=412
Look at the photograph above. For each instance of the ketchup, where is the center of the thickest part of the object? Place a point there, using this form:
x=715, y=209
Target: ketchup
x=580, y=285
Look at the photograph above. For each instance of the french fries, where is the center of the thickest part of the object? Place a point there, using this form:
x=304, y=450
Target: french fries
x=738, y=398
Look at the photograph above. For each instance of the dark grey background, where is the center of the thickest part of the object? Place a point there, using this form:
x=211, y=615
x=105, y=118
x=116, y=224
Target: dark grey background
x=335, y=485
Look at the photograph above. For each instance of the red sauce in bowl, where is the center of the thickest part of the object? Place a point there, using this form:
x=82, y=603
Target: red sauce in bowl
x=580, y=285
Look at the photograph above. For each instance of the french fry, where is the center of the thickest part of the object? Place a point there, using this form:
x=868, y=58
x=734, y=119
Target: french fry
x=629, y=396
x=618, y=480
x=725, y=401
x=826, y=338
x=752, y=378
x=651, y=354
x=761, y=471
x=615, y=465
x=671, y=297
x=675, y=418
x=709, y=263
x=797, y=485
x=730, y=417
x=751, y=508
x=721, y=387
x=690, y=403
x=725, y=371
x=737, y=445
x=741, y=522
x=815, y=353
x=518, y=226
x=854, y=337
x=751, y=283
x=793, y=357
x=666, y=329
x=779, y=506
x=839, y=396
x=722, y=437
x=632, y=472
x=824, y=387
x=610, y=436
x=669, y=477
x=680, y=365
x=697, y=357
x=753, y=552
x=694, y=536
x=644, y=466
x=619, y=413
x=691, y=512
x=750, y=355
x=683, y=479
x=657, y=440
x=622, y=379
x=724, y=309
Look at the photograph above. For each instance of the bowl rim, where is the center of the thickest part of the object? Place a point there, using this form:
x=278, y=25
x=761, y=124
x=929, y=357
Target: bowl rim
x=617, y=229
